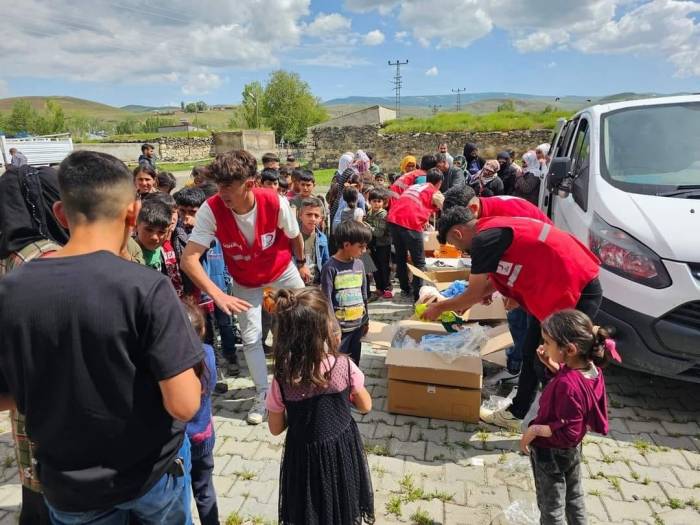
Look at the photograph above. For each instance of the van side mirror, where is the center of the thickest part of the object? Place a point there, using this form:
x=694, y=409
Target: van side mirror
x=559, y=170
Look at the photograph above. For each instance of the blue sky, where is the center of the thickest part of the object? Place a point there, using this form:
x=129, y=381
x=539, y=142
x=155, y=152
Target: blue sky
x=158, y=53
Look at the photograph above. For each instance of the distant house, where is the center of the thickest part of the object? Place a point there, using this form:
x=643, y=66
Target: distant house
x=371, y=116
x=181, y=127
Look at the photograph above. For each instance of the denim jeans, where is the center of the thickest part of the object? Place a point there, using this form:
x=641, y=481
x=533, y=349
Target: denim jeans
x=560, y=496
x=381, y=256
x=351, y=344
x=203, y=489
x=408, y=241
x=166, y=503
x=250, y=322
x=517, y=324
x=532, y=370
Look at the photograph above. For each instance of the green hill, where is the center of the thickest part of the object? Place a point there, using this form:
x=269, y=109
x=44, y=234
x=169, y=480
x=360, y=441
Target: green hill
x=72, y=106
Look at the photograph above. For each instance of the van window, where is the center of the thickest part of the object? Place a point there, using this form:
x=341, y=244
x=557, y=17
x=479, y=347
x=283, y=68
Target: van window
x=652, y=149
x=580, y=163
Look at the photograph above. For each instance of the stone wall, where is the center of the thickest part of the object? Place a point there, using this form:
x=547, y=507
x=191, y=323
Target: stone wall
x=171, y=149
x=326, y=145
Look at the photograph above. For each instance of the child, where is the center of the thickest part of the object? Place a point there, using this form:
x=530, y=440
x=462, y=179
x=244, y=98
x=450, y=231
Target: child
x=282, y=186
x=315, y=241
x=573, y=401
x=294, y=189
x=269, y=178
x=354, y=181
x=380, y=248
x=380, y=180
x=285, y=173
x=344, y=282
x=270, y=161
x=166, y=182
x=200, y=430
x=324, y=476
x=200, y=175
x=351, y=211
x=145, y=179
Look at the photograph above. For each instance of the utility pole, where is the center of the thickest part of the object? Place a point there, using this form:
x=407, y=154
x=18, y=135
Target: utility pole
x=459, y=92
x=397, y=84
x=435, y=108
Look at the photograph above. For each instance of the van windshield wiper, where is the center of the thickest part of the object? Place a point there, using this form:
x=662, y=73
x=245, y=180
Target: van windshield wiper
x=682, y=191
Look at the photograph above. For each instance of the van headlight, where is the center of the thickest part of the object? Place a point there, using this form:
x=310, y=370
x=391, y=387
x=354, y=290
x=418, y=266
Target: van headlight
x=625, y=256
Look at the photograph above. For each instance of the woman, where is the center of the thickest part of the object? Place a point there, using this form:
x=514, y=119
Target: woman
x=473, y=163
x=408, y=163
x=527, y=185
x=342, y=174
x=486, y=182
x=459, y=162
x=28, y=230
x=542, y=152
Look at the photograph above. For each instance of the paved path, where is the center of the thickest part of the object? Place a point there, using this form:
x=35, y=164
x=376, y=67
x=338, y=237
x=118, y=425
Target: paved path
x=432, y=471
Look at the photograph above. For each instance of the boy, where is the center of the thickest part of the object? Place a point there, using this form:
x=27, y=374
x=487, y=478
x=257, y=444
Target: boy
x=282, y=187
x=200, y=175
x=294, y=189
x=343, y=280
x=380, y=180
x=113, y=444
x=269, y=178
x=166, y=182
x=148, y=156
x=270, y=161
x=315, y=241
x=145, y=179
x=380, y=248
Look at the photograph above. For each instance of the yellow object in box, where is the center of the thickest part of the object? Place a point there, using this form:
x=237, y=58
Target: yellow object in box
x=447, y=251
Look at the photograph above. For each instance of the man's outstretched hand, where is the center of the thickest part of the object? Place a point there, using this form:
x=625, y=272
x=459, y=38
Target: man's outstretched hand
x=231, y=305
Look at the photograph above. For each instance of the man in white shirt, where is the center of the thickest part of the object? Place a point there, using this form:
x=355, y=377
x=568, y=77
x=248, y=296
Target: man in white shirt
x=258, y=232
x=17, y=158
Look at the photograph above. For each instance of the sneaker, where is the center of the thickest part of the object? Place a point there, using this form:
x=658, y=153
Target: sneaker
x=501, y=418
x=258, y=412
x=406, y=295
x=373, y=297
x=220, y=387
x=388, y=294
x=232, y=369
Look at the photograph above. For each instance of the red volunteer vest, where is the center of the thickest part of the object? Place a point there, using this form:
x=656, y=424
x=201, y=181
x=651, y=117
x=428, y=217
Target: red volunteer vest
x=268, y=257
x=413, y=208
x=507, y=206
x=406, y=180
x=544, y=269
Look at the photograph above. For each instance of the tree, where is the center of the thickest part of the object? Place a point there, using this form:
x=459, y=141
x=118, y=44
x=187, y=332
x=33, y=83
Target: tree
x=201, y=105
x=23, y=117
x=128, y=126
x=508, y=105
x=252, y=105
x=289, y=107
x=191, y=107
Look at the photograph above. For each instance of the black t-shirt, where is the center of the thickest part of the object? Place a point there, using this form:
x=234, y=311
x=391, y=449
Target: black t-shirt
x=84, y=341
x=488, y=247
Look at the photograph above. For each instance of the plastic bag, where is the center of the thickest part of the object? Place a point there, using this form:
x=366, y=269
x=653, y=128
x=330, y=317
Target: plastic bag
x=466, y=341
x=456, y=288
x=522, y=513
x=497, y=403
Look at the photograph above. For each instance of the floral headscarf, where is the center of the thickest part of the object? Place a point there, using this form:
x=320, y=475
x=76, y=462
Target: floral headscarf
x=361, y=161
x=408, y=159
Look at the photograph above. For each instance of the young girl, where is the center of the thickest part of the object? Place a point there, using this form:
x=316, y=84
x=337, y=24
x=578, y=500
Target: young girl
x=572, y=402
x=200, y=430
x=324, y=476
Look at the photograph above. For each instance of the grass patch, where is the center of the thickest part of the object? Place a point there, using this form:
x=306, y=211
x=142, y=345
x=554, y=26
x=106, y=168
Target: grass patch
x=443, y=496
x=379, y=471
x=393, y=506
x=499, y=121
x=323, y=177
x=657, y=519
x=234, y=519
x=378, y=449
x=594, y=493
x=644, y=447
x=675, y=503
x=482, y=435
x=421, y=517
x=246, y=475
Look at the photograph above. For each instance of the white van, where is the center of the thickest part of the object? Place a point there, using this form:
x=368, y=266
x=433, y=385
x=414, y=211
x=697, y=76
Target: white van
x=625, y=180
x=45, y=150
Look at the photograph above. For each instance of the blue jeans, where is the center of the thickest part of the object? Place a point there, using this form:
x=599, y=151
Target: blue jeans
x=167, y=503
x=517, y=323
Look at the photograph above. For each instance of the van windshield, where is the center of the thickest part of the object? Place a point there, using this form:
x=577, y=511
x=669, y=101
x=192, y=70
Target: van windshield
x=652, y=149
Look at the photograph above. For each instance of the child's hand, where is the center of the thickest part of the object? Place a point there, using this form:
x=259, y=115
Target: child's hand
x=525, y=441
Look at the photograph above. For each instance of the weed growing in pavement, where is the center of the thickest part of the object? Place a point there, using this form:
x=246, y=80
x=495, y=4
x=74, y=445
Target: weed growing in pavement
x=246, y=475
x=598, y=475
x=675, y=503
x=615, y=482
x=696, y=486
x=464, y=444
x=445, y=497
x=393, y=506
x=644, y=447
x=439, y=457
x=693, y=503
x=9, y=461
x=379, y=471
x=378, y=449
x=234, y=519
x=502, y=458
x=635, y=476
x=646, y=480
x=482, y=435
x=421, y=517
x=594, y=493
x=657, y=519
x=608, y=459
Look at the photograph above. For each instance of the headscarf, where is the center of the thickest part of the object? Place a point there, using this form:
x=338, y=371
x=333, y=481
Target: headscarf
x=531, y=164
x=469, y=148
x=405, y=162
x=504, y=155
x=361, y=161
x=490, y=165
x=543, y=148
x=27, y=195
x=462, y=160
x=345, y=161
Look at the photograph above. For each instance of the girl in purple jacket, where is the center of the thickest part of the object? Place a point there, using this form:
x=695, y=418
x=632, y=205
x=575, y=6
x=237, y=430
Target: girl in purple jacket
x=573, y=402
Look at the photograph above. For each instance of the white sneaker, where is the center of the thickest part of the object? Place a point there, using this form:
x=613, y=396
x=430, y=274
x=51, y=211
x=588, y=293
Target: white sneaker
x=258, y=412
x=502, y=418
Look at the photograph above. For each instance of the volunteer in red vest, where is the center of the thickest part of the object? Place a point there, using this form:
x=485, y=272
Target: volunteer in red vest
x=407, y=218
x=417, y=176
x=258, y=232
x=532, y=262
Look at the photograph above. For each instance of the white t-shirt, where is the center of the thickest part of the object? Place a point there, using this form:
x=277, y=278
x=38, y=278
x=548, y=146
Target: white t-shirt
x=205, y=223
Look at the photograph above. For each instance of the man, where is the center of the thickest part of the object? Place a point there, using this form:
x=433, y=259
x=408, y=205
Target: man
x=148, y=156
x=427, y=162
x=271, y=161
x=453, y=176
x=507, y=172
x=538, y=266
x=258, y=233
x=105, y=375
x=407, y=218
x=442, y=148
x=17, y=158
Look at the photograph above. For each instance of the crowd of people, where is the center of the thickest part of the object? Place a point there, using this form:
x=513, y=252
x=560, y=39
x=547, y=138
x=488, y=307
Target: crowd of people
x=135, y=303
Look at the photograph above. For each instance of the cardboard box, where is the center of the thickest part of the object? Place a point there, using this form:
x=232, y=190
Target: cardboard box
x=430, y=242
x=423, y=384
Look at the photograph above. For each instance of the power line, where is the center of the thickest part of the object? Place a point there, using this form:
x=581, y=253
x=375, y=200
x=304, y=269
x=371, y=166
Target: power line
x=459, y=92
x=435, y=108
x=397, y=85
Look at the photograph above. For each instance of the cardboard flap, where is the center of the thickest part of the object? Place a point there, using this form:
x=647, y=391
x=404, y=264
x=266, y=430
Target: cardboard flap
x=419, y=273
x=379, y=334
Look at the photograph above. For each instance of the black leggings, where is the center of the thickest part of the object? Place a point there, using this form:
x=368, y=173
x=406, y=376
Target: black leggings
x=532, y=370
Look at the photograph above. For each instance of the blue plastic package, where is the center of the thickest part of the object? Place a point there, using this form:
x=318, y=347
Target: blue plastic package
x=456, y=288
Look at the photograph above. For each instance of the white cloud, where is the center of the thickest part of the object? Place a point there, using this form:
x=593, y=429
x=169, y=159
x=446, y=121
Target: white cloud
x=201, y=83
x=4, y=89
x=327, y=25
x=373, y=38
x=364, y=6
x=401, y=36
x=432, y=72
x=332, y=59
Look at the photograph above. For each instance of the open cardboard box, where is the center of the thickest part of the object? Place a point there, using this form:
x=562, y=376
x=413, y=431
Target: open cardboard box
x=423, y=384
